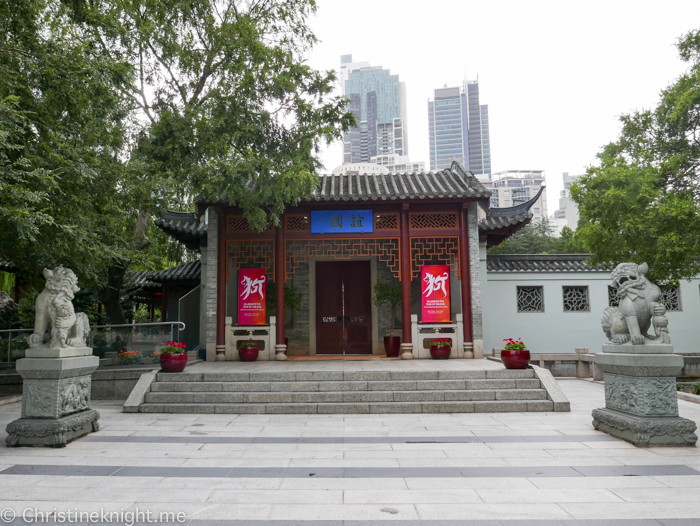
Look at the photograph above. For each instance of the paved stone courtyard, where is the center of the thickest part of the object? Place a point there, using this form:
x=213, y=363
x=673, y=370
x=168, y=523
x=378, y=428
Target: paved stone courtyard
x=438, y=469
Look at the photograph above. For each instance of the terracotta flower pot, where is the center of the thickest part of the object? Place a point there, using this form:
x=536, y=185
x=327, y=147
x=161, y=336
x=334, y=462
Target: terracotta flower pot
x=173, y=363
x=392, y=346
x=440, y=352
x=515, y=359
x=248, y=354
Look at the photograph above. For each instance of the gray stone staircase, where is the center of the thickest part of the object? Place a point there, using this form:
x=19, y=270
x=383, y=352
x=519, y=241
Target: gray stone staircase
x=338, y=392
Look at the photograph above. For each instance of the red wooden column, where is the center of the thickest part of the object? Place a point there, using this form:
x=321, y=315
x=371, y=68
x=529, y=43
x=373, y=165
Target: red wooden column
x=465, y=273
x=221, y=290
x=280, y=267
x=405, y=255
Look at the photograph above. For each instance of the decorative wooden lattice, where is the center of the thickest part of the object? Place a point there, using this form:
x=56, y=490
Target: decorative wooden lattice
x=530, y=299
x=613, y=298
x=240, y=224
x=434, y=221
x=386, y=222
x=434, y=251
x=296, y=223
x=386, y=250
x=576, y=299
x=250, y=253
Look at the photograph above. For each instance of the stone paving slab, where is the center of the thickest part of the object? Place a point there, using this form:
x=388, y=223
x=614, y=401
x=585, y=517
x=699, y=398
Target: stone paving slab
x=444, y=469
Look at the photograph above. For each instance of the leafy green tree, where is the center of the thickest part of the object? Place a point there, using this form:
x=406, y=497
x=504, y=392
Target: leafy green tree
x=538, y=238
x=112, y=109
x=641, y=202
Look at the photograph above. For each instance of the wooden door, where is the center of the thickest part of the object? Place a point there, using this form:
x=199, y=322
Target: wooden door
x=343, y=309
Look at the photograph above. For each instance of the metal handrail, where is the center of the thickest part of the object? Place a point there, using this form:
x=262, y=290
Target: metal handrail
x=9, y=341
x=180, y=326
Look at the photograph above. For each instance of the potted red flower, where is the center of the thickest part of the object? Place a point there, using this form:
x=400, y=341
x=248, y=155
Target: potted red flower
x=248, y=351
x=514, y=354
x=173, y=357
x=440, y=348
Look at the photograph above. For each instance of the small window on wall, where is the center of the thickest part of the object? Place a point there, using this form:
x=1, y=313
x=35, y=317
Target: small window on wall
x=671, y=298
x=576, y=299
x=613, y=299
x=530, y=299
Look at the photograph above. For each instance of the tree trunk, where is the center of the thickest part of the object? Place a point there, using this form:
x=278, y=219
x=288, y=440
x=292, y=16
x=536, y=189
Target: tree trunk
x=110, y=294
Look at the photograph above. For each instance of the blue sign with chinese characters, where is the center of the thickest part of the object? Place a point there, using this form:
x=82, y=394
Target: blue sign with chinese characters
x=341, y=221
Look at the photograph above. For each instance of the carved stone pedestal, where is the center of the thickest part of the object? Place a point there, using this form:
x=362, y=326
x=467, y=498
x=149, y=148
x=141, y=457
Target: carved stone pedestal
x=641, y=404
x=53, y=432
x=55, y=397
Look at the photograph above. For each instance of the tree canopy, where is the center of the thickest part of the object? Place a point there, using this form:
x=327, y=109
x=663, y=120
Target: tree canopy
x=538, y=238
x=640, y=203
x=112, y=109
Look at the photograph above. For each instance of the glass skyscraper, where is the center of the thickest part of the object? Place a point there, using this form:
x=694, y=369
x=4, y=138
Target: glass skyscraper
x=378, y=101
x=459, y=129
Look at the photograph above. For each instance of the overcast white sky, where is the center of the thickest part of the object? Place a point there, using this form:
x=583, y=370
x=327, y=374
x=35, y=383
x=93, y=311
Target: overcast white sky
x=555, y=74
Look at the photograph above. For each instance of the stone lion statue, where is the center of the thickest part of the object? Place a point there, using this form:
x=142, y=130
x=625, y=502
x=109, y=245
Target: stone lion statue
x=640, y=308
x=55, y=313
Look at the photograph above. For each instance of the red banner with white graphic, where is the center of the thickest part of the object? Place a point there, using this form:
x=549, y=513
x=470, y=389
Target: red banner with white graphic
x=252, y=293
x=435, y=293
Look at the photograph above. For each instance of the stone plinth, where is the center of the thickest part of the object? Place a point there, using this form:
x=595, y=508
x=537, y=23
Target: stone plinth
x=55, y=397
x=641, y=404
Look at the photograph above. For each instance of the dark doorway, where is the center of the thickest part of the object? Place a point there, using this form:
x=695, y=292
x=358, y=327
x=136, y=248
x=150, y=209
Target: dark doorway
x=343, y=309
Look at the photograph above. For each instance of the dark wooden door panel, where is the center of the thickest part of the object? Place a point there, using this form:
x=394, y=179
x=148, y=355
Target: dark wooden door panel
x=329, y=308
x=343, y=308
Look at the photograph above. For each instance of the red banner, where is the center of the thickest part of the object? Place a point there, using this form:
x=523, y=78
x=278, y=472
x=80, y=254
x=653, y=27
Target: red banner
x=252, y=293
x=435, y=293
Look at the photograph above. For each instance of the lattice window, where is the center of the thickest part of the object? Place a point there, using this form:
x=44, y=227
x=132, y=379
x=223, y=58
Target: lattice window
x=576, y=299
x=240, y=224
x=530, y=299
x=434, y=221
x=671, y=298
x=386, y=222
x=613, y=299
x=385, y=249
x=250, y=253
x=237, y=224
x=434, y=251
x=297, y=223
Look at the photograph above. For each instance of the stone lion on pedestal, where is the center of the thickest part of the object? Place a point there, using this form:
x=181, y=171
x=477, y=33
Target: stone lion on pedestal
x=640, y=308
x=55, y=313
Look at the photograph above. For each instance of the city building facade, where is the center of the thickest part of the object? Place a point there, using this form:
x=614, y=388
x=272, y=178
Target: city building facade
x=378, y=101
x=567, y=214
x=514, y=187
x=459, y=129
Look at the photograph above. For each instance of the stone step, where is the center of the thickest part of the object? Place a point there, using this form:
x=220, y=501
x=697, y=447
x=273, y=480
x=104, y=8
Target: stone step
x=494, y=406
x=310, y=386
x=220, y=397
x=346, y=376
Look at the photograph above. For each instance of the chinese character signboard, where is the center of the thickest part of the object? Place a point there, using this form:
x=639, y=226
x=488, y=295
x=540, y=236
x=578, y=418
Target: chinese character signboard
x=252, y=293
x=435, y=293
x=341, y=221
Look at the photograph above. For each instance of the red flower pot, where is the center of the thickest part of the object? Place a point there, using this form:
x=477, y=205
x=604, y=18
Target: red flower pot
x=440, y=352
x=515, y=359
x=248, y=354
x=392, y=346
x=173, y=363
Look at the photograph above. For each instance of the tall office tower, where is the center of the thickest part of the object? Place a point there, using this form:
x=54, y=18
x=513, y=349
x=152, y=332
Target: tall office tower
x=459, y=129
x=378, y=101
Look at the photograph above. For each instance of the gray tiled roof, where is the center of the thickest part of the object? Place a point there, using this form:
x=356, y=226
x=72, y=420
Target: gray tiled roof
x=499, y=218
x=451, y=182
x=186, y=271
x=542, y=263
x=139, y=281
x=496, y=222
x=183, y=226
